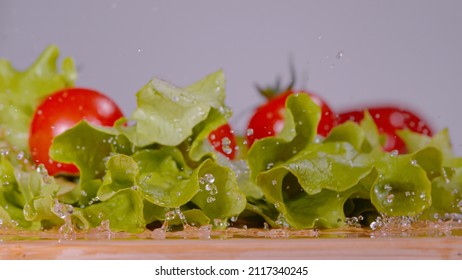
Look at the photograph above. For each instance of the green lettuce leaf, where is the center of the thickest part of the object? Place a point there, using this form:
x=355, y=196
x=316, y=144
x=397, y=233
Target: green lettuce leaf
x=22, y=91
x=87, y=146
x=167, y=114
x=311, y=188
x=415, y=141
x=11, y=200
x=301, y=119
x=123, y=211
x=164, y=177
x=40, y=192
x=444, y=169
x=219, y=197
x=121, y=174
x=26, y=197
x=403, y=187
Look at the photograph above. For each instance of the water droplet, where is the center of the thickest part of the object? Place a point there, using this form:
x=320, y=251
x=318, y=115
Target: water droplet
x=226, y=145
x=390, y=198
x=211, y=188
x=62, y=210
x=445, y=175
x=209, y=178
x=354, y=221
x=20, y=155
x=42, y=169
x=4, y=152
x=219, y=223
x=181, y=216
x=339, y=55
x=170, y=215
x=210, y=199
x=374, y=225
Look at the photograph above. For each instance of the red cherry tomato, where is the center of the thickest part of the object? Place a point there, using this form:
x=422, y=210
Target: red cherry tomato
x=388, y=121
x=61, y=111
x=223, y=140
x=268, y=119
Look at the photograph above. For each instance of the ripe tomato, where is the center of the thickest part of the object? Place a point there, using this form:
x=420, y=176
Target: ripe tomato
x=268, y=119
x=388, y=121
x=223, y=140
x=61, y=111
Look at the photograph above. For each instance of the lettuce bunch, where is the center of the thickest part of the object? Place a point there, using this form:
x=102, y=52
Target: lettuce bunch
x=157, y=168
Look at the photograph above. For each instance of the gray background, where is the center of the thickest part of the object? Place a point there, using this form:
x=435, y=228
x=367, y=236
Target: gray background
x=353, y=53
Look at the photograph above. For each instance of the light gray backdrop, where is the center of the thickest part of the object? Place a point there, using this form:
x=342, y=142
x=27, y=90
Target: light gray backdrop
x=352, y=53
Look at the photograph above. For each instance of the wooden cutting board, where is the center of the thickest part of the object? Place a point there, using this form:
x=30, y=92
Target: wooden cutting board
x=436, y=241
x=238, y=248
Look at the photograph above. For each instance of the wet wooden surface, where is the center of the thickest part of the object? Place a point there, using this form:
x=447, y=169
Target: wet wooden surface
x=238, y=248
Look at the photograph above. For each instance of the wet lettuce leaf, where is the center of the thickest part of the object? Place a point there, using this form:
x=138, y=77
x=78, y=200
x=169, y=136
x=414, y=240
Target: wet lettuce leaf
x=403, y=187
x=123, y=212
x=86, y=146
x=310, y=189
x=167, y=114
x=444, y=169
x=164, y=177
x=300, y=125
x=22, y=91
x=27, y=198
x=157, y=168
x=219, y=196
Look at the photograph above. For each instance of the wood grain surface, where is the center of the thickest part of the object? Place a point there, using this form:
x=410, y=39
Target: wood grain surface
x=238, y=248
